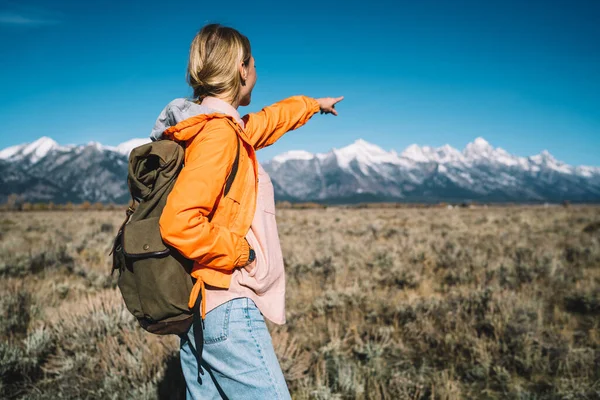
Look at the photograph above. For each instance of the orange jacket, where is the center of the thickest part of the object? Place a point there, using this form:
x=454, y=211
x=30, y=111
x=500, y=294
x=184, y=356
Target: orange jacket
x=218, y=246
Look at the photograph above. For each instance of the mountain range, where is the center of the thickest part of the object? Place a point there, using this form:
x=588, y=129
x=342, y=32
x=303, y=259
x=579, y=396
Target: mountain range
x=44, y=171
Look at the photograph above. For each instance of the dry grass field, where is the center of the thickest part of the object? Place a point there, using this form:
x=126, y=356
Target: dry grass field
x=486, y=303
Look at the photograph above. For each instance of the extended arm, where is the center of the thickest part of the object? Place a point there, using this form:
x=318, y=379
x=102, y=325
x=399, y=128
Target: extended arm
x=266, y=126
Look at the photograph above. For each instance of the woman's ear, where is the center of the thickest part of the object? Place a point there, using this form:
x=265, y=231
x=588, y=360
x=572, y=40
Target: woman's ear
x=243, y=72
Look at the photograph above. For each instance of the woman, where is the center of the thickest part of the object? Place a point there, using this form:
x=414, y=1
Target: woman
x=233, y=238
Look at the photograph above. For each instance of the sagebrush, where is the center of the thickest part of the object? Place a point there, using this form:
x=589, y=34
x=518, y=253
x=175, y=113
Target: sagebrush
x=485, y=303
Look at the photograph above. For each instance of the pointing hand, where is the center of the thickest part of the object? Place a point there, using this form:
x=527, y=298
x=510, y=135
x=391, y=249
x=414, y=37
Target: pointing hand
x=327, y=104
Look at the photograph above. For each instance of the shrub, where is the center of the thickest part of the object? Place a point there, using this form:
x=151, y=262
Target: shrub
x=15, y=304
x=107, y=228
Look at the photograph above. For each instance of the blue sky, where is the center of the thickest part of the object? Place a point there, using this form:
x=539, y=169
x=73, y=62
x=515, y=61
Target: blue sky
x=525, y=75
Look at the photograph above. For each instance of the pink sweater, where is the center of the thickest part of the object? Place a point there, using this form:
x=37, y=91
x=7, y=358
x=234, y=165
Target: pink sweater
x=265, y=284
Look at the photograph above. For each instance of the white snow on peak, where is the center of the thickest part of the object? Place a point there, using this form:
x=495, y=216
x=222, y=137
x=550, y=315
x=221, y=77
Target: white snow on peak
x=99, y=146
x=9, y=152
x=358, y=149
x=543, y=157
x=294, y=155
x=479, y=148
x=416, y=153
x=501, y=156
x=448, y=154
x=366, y=154
x=39, y=148
x=476, y=152
x=367, y=157
x=370, y=156
x=481, y=143
x=362, y=146
x=126, y=147
x=123, y=148
x=547, y=160
x=587, y=171
x=322, y=156
x=440, y=155
x=34, y=151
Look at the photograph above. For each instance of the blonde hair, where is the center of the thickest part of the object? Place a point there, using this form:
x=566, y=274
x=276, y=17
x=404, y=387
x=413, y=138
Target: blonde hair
x=215, y=54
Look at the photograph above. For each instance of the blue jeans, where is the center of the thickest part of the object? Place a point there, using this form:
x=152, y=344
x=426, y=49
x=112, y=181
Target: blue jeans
x=238, y=360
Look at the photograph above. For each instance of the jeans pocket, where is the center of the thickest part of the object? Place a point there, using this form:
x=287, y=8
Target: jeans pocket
x=216, y=324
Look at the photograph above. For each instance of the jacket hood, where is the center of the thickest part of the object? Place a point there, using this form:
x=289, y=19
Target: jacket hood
x=176, y=111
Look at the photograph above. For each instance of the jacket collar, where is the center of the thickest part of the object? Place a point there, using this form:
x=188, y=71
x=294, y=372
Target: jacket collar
x=224, y=107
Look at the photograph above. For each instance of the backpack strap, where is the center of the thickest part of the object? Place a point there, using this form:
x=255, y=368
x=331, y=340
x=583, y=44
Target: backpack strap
x=130, y=210
x=198, y=327
x=234, y=168
x=230, y=178
x=133, y=203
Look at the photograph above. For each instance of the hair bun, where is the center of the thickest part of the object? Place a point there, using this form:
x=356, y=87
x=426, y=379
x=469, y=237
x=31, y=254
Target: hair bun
x=215, y=54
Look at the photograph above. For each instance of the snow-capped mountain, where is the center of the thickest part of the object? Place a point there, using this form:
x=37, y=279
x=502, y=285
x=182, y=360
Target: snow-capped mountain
x=29, y=151
x=45, y=171
x=362, y=171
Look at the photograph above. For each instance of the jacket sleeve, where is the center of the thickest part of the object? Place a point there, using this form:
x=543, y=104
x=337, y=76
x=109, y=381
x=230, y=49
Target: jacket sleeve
x=184, y=223
x=266, y=126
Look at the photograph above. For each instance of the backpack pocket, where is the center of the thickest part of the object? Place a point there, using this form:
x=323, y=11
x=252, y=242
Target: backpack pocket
x=142, y=239
x=126, y=281
x=156, y=281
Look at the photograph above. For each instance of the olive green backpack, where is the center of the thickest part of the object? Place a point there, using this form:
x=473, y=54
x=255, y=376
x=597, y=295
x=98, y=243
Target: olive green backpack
x=154, y=278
